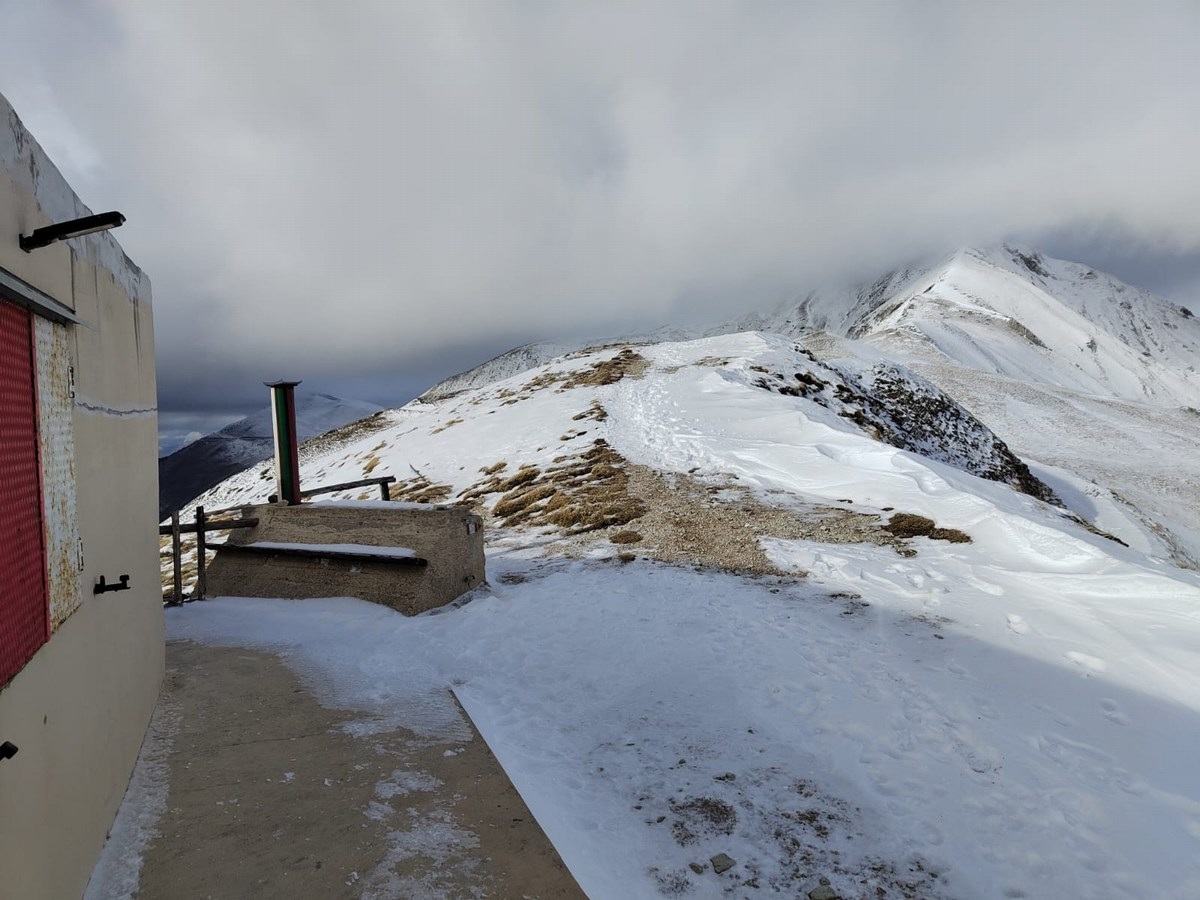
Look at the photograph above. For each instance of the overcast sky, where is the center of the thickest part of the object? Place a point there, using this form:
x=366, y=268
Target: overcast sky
x=372, y=195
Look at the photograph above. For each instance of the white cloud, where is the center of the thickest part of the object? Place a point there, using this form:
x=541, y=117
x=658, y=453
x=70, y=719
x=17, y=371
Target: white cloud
x=325, y=186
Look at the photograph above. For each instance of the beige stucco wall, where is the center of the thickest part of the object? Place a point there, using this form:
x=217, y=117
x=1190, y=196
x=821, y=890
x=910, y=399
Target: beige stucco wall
x=78, y=711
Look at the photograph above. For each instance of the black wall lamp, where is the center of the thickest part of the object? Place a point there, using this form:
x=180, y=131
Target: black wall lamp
x=43, y=237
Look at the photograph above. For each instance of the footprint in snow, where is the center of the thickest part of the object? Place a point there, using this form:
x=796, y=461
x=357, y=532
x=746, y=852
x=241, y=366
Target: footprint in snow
x=988, y=588
x=1017, y=625
x=1058, y=717
x=1086, y=661
x=1112, y=712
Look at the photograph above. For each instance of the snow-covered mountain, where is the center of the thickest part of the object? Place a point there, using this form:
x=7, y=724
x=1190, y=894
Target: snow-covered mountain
x=1091, y=381
x=193, y=469
x=1014, y=313
x=785, y=599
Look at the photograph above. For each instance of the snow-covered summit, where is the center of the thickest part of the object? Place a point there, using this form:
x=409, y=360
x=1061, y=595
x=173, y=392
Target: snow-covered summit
x=1013, y=312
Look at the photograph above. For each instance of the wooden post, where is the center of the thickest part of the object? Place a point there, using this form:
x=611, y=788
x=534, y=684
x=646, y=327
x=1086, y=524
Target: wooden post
x=176, y=558
x=383, y=490
x=201, y=548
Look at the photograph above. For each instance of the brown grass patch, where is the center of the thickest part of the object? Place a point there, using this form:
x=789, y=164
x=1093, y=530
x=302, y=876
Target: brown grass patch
x=910, y=525
x=419, y=489
x=524, y=475
x=522, y=501
x=626, y=363
x=494, y=468
x=584, y=492
x=595, y=411
x=596, y=494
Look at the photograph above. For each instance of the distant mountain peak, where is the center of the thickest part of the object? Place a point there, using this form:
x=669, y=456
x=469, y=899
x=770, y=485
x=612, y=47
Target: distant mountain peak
x=202, y=463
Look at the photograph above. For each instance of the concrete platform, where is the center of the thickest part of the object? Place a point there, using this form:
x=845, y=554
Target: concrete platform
x=269, y=797
x=444, y=546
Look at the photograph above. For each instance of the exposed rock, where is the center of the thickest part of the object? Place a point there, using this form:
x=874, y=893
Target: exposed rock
x=722, y=862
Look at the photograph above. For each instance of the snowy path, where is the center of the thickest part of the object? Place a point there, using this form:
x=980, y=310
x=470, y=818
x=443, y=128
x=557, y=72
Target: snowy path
x=617, y=695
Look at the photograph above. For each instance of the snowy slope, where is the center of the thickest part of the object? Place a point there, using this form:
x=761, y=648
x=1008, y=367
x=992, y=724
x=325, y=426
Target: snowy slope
x=519, y=359
x=195, y=468
x=1013, y=716
x=1091, y=381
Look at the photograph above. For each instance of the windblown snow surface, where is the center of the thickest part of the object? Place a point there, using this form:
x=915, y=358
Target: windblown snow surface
x=1013, y=717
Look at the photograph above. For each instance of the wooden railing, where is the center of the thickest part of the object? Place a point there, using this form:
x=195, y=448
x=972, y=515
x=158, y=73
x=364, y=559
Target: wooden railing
x=383, y=483
x=200, y=528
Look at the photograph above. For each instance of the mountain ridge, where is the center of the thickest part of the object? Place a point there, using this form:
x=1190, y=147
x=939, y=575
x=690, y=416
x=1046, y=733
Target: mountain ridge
x=1001, y=310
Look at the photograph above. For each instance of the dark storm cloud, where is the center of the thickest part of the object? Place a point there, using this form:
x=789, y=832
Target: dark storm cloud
x=370, y=190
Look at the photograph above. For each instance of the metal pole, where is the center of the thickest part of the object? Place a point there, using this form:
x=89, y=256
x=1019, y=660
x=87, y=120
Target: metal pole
x=201, y=549
x=176, y=558
x=287, y=457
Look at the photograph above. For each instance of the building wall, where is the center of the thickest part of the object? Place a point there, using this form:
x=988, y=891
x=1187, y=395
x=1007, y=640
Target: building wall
x=79, y=709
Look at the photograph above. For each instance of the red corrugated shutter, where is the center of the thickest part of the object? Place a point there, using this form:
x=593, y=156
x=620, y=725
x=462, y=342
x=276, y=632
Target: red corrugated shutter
x=24, y=607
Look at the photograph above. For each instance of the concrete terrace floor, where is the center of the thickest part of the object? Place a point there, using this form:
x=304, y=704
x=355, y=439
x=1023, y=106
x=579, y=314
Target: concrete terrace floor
x=268, y=796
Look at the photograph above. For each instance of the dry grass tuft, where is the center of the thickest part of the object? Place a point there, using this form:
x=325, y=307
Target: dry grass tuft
x=441, y=428
x=585, y=492
x=520, y=502
x=596, y=411
x=626, y=537
x=420, y=489
x=494, y=468
x=953, y=535
x=626, y=363
x=910, y=525
x=523, y=475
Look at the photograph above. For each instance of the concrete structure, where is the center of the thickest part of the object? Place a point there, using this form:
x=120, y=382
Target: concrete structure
x=446, y=558
x=79, y=672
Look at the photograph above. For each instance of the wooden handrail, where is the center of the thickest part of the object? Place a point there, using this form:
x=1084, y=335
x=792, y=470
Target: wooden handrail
x=219, y=525
x=383, y=482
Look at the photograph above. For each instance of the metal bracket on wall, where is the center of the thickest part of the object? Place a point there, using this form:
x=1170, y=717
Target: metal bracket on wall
x=8, y=750
x=102, y=587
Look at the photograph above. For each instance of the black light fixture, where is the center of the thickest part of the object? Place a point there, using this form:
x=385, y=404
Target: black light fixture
x=43, y=237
